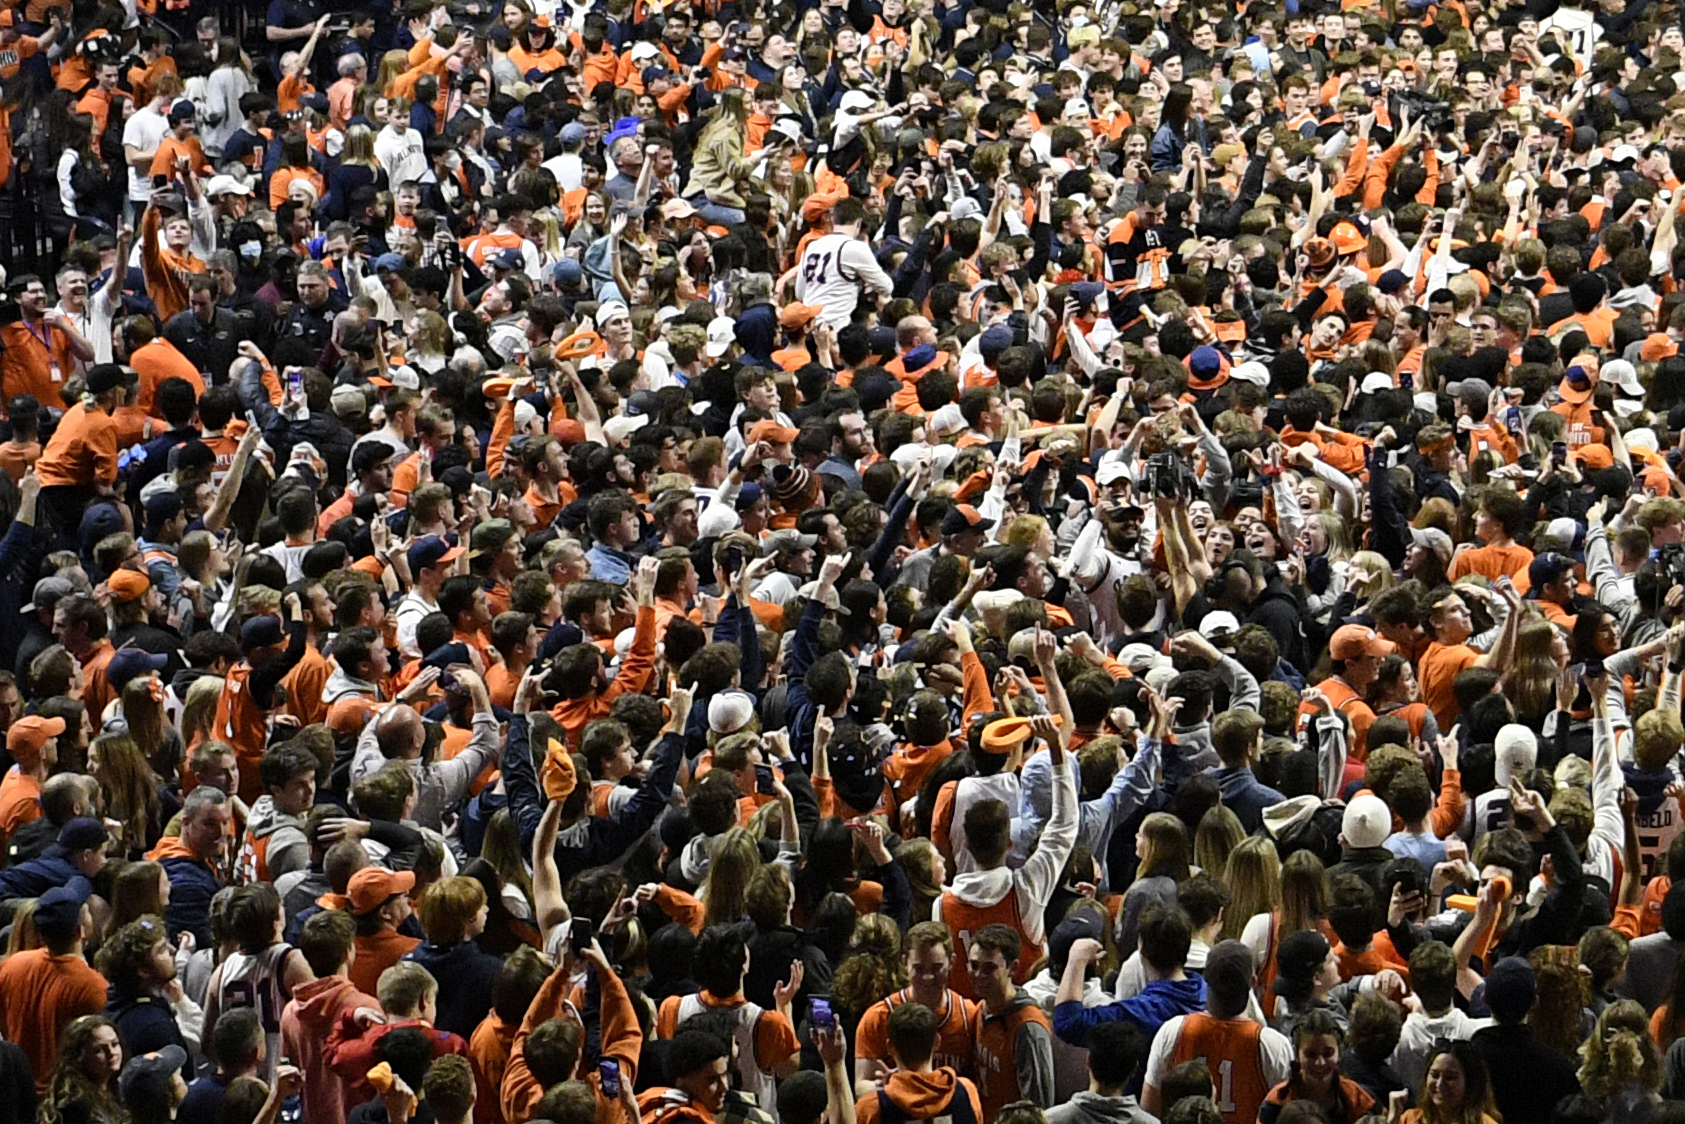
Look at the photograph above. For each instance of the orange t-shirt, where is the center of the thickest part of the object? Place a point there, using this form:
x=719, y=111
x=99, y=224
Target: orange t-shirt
x=1438, y=670
x=159, y=360
x=40, y=995
x=20, y=802
x=1491, y=562
x=376, y=953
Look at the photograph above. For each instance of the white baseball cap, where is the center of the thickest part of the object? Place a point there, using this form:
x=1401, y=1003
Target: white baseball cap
x=1515, y=752
x=1367, y=822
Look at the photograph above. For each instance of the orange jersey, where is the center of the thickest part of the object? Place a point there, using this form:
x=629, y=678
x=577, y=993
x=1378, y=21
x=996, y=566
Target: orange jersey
x=1229, y=1048
x=953, y=1038
x=995, y=1038
x=964, y=919
x=244, y=725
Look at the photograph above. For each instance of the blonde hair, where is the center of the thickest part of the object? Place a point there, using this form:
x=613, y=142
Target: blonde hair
x=1218, y=834
x=872, y=968
x=1619, y=1053
x=725, y=889
x=918, y=857
x=1304, y=892
x=1167, y=846
x=359, y=147
x=1375, y=564
x=1253, y=874
x=198, y=712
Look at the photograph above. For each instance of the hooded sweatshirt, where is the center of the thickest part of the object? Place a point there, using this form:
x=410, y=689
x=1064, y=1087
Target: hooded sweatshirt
x=192, y=886
x=1094, y=1108
x=275, y=843
x=306, y=1021
x=922, y=1096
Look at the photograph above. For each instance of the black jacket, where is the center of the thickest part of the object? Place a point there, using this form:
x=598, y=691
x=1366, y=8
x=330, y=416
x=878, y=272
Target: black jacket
x=1529, y=1078
x=320, y=429
x=466, y=975
x=143, y=1020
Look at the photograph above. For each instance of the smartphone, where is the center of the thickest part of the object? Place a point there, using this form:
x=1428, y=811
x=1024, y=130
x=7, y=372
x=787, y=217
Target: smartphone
x=581, y=935
x=820, y=1013
x=160, y=181
x=448, y=682
x=608, y=1077
x=1594, y=668
x=1559, y=451
x=295, y=384
x=763, y=780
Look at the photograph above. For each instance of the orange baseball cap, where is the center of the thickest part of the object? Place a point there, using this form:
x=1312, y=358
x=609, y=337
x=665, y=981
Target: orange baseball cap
x=27, y=735
x=769, y=430
x=371, y=886
x=128, y=585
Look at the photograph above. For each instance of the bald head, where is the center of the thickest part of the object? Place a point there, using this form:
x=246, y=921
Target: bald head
x=399, y=732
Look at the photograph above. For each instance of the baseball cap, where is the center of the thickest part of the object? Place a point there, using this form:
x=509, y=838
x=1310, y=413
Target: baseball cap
x=182, y=111
x=389, y=263
x=1218, y=622
x=507, y=259
x=1367, y=822
x=489, y=537
x=962, y=517
x=1511, y=988
x=1354, y=641
x=1300, y=954
x=1432, y=538
x=572, y=133
x=147, y=1083
x=856, y=101
x=798, y=315
x=227, y=185
x=370, y=887
x=770, y=430
x=128, y=585
x=787, y=540
x=730, y=711
x=446, y=655
x=722, y=333
x=263, y=631
x=48, y=593
x=84, y=833
x=611, y=310
x=1081, y=924
x=27, y=735
x=58, y=911
x=1546, y=568
x=1578, y=384
x=748, y=496
x=431, y=550
x=1515, y=751
x=131, y=663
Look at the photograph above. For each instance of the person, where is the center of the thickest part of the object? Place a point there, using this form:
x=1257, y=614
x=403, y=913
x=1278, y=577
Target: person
x=33, y=744
x=1115, y=1051
x=1014, y=1036
x=327, y=943
x=262, y=971
x=916, y=1090
x=1457, y=1089
x=43, y=990
x=84, y=1082
x=237, y=1046
x=926, y=955
x=193, y=860
x=1524, y=1073
x=1246, y=1060
x=453, y=914
x=379, y=901
x=1315, y=1075
x=147, y=1004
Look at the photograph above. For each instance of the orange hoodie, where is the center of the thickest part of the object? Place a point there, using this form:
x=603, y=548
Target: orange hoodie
x=919, y=1096
x=313, y=1011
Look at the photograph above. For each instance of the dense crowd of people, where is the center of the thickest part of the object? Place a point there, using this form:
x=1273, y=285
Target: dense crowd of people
x=651, y=563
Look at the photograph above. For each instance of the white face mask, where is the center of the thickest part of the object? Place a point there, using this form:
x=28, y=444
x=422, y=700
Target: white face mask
x=252, y=250
x=453, y=161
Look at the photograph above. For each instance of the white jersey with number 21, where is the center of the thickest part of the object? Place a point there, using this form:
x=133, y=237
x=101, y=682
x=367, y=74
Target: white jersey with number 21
x=832, y=269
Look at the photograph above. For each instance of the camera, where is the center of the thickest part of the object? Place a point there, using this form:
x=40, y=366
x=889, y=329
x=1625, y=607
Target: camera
x=1169, y=477
x=1670, y=564
x=1434, y=114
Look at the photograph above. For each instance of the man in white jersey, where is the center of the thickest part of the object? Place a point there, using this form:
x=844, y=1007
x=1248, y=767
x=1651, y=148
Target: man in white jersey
x=834, y=266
